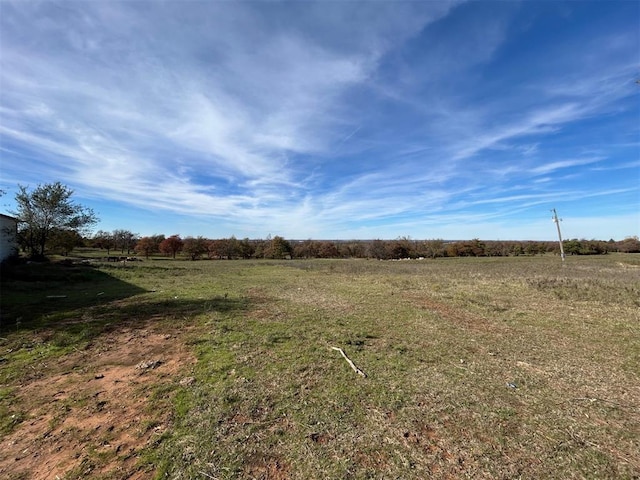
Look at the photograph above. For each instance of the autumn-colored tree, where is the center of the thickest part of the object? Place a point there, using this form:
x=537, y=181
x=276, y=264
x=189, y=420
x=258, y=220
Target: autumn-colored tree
x=629, y=245
x=328, y=250
x=172, y=245
x=146, y=246
x=306, y=249
x=377, y=249
x=353, y=249
x=402, y=247
x=215, y=248
x=194, y=247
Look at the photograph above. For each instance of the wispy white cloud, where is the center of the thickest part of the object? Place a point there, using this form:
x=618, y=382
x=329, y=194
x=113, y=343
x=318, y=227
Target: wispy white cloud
x=547, y=168
x=310, y=116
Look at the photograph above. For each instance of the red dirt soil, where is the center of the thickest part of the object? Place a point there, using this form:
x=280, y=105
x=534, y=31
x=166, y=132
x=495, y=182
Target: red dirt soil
x=88, y=415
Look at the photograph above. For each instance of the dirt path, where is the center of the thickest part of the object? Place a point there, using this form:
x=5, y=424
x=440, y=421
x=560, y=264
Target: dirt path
x=88, y=415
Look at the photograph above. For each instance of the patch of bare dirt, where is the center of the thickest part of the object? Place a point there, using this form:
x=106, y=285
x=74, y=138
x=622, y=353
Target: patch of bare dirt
x=88, y=415
x=267, y=468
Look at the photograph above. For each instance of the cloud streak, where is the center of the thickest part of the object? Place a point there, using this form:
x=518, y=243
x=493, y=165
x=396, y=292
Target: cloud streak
x=309, y=118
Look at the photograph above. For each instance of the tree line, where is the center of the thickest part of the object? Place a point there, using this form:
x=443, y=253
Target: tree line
x=196, y=248
x=51, y=222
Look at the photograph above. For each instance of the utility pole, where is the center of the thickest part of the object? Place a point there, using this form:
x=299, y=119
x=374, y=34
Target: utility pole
x=557, y=222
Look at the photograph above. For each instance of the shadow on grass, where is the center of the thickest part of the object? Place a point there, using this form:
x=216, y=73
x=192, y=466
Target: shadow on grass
x=77, y=327
x=38, y=293
x=79, y=297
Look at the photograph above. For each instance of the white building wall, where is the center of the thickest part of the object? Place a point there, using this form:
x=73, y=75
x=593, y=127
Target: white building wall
x=8, y=245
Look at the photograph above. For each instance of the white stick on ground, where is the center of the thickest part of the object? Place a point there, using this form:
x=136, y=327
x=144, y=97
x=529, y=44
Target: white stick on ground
x=351, y=364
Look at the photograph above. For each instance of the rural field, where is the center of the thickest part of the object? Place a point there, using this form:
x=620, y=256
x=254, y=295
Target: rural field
x=495, y=368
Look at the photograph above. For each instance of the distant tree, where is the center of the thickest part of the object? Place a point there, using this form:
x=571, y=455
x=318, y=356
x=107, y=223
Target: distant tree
x=328, y=249
x=224, y=248
x=172, y=245
x=572, y=247
x=402, y=247
x=629, y=245
x=278, y=247
x=146, y=246
x=516, y=249
x=377, y=249
x=103, y=240
x=157, y=240
x=215, y=248
x=306, y=249
x=124, y=240
x=594, y=247
x=245, y=248
x=194, y=247
x=352, y=249
x=64, y=241
x=48, y=208
x=477, y=247
x=433, y=248
x=531, y=248
x=260, y=247
x=232, y=247
x=452, y=250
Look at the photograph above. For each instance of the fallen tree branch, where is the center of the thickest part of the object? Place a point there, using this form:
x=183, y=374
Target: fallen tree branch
x=351, y=364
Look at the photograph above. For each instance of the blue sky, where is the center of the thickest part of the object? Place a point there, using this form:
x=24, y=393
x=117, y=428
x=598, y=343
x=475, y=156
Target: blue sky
x=328, y=120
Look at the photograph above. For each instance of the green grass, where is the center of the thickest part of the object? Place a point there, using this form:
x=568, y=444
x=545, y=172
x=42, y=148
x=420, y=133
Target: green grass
x=440, y=342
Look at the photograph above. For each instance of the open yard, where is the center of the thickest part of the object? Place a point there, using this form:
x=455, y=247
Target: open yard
x=515, y=367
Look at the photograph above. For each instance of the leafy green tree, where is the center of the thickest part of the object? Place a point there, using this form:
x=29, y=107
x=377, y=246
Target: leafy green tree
x=572, y=247
x=48, y=208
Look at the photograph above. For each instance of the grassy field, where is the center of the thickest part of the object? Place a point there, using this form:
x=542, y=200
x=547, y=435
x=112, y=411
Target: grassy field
x=507, y=368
